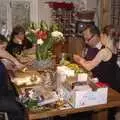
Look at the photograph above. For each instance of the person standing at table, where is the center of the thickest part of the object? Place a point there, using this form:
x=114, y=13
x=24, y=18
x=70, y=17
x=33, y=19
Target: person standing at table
x=99, y=59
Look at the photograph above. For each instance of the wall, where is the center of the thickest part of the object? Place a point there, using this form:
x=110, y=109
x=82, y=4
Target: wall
x=39, y=10
x=44, y=12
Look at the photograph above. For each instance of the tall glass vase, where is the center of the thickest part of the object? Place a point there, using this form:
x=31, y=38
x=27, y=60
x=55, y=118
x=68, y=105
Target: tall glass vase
x=43, y=61
x=38, y=52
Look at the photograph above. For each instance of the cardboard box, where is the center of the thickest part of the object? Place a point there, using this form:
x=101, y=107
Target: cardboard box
x=86, y=97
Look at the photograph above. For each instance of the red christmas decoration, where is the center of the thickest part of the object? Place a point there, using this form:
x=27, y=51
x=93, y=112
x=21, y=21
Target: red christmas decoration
x=42, y=35
x=62, y=5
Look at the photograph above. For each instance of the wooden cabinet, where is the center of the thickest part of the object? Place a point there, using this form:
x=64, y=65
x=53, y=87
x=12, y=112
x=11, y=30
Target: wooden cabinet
x=105, y=13
x=115, y=13
x=75, y=45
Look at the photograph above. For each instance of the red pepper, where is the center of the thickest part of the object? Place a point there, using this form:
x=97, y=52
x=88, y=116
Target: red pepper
x=102, y=84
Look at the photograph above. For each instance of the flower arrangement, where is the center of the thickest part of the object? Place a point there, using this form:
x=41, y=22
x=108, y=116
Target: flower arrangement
x=44, y=37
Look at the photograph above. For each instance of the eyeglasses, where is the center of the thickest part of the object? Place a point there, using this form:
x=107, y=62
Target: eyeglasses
x=89, y=39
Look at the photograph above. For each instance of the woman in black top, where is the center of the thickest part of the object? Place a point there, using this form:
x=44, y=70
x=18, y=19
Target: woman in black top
x=18, y=41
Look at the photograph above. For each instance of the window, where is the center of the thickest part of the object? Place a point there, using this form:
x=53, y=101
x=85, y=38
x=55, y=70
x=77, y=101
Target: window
x=20, y=13
x=3, y=13
x=14, y=12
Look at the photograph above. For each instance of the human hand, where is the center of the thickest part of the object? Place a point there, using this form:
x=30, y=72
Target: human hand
x=29, y=63
x=19, y=66
x=8, y=64
x=76, y=58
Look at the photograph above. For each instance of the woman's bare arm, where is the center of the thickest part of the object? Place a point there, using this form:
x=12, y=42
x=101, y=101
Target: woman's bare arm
x=103, y=55
x=6, y=55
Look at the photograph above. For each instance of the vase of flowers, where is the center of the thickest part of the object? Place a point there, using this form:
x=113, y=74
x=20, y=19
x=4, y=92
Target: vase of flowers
x=44, y=37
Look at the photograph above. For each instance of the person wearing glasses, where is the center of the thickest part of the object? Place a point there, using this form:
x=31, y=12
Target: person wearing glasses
x=99, y=59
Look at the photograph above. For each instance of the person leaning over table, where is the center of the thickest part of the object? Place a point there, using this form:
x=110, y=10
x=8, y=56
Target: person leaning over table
x=11, y=63
x=8, y=93
x=18, y=41
x=5, y=57
x=99, y=59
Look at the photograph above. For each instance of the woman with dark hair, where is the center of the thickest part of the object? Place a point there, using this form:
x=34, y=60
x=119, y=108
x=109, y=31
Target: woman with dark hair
x=18, y=41
x=5, y=56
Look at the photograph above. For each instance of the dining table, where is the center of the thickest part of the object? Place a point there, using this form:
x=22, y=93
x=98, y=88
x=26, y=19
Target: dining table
x=99, y=112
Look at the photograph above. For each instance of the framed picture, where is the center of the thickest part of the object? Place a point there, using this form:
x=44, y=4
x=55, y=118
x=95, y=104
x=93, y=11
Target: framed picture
x=20, y=13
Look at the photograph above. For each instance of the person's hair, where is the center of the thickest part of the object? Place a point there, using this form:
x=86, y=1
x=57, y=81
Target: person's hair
x=3, y=38
x=94, y=30
x=16, y=30
x=107, y=29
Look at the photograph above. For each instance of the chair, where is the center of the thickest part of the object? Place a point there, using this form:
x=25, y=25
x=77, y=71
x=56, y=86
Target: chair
x=3, y=116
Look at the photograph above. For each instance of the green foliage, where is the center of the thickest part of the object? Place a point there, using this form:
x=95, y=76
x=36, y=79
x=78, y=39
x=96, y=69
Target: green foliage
x=43, y=26
x=31, y=37
x=31, y=103
x=42, y=32
x=55, y=27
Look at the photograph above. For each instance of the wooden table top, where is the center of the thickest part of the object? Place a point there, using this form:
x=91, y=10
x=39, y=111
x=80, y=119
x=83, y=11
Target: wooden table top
x=113, y=101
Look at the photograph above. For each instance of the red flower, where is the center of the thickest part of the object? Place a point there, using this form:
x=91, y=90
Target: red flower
x=41, y=35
